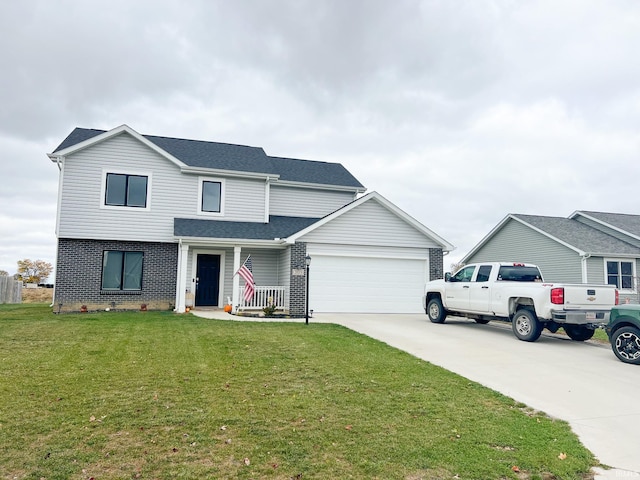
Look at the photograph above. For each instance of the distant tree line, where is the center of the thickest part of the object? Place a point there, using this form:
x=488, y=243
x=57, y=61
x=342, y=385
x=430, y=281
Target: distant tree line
x=31, y=271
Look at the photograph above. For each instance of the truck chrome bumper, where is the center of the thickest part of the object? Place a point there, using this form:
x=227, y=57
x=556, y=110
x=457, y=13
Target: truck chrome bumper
x=581, y=317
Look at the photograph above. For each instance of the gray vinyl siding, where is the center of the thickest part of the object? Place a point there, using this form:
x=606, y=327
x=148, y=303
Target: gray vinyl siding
x=171, y=194
x=515, y=242
x=369, y=224
x=367, y=251
x=300, y=202
x=609, y=231
x=284, y=267
x=595, y=270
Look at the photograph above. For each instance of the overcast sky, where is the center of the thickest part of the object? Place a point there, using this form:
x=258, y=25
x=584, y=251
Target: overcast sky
x=459, y=112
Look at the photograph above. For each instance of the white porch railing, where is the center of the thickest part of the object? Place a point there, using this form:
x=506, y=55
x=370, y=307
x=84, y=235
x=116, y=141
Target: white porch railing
x=264, y=296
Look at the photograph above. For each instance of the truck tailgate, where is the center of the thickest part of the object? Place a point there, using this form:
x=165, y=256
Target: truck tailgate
x=589, y=297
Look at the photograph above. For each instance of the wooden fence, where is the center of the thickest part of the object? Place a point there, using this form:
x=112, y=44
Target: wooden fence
x=10, y=290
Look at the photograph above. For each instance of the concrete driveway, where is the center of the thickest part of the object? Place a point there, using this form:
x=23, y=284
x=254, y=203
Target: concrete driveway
x=580, y=382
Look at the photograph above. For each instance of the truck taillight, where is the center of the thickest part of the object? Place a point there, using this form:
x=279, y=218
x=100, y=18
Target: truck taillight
x=557, y=296
x=617, y=297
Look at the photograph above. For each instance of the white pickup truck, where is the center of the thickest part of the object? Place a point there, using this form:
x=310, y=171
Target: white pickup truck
x=516, y=292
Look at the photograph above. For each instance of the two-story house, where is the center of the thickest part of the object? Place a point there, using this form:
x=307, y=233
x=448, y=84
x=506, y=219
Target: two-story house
x=164, y=223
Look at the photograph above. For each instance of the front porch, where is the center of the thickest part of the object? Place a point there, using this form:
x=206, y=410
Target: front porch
x=278, y=272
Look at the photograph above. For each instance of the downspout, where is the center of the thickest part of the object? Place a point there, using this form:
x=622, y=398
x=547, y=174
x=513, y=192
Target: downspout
x=59, y=164
x=267, y=196
x=585, y=257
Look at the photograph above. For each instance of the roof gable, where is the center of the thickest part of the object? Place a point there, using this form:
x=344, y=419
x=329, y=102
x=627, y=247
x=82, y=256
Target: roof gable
x=577, y=236
x=375, y=197
x=198, y=154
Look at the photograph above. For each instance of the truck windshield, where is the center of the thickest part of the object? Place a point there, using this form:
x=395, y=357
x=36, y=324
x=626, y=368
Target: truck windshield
x=517, y=273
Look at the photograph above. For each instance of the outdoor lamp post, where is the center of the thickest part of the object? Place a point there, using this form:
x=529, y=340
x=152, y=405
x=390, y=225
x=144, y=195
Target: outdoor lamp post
x=307, y=261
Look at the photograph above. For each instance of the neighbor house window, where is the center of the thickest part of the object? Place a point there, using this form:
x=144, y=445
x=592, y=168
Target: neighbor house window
x=125, y=190
x=122, y=270
x=621, y=274
x=211, y=196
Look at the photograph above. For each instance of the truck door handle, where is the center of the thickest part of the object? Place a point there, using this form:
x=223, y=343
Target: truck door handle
x=465, y=286
x=485, y=287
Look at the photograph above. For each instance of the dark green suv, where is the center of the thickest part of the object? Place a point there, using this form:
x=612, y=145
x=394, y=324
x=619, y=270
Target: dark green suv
x=623, y=330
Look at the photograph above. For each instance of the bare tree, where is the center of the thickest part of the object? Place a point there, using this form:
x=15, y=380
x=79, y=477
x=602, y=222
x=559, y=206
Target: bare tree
x=456, y=266
x=34, y=271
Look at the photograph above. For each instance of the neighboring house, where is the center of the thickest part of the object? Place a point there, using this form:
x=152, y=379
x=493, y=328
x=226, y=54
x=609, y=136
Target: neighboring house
x=166, y=222
x=586, y=247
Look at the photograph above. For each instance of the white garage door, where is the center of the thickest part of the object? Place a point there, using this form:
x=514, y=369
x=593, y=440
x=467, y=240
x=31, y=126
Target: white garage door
x=366, y=285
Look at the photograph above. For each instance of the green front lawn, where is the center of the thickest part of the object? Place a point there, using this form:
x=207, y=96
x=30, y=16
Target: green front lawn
x=161, y=396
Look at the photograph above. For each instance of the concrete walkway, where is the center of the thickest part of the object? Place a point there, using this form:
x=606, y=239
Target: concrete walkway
x=580, y=382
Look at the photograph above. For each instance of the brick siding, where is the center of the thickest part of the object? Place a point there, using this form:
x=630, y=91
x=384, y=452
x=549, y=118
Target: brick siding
x=436, y=264
x=298, y=285
x=79, y=276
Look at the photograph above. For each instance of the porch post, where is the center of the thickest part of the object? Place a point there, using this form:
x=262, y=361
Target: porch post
x=181, y=287
x=236, y=278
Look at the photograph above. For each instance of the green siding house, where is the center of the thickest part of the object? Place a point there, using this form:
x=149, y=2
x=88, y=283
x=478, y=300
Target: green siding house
x=586, y=247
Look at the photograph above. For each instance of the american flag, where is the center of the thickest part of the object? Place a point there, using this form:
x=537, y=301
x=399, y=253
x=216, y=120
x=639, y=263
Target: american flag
x=246, y=272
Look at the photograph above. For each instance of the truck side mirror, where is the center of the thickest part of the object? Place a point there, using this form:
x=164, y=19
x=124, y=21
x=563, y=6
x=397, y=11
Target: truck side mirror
x=447, y=277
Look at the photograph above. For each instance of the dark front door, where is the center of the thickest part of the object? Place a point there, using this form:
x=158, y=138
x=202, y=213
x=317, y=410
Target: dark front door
x=207, y=280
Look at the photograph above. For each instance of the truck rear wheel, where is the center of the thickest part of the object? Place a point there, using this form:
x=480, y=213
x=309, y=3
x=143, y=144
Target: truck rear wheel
x=579, y=333
x=526, y=326
x=625, y=343
x=436, y=311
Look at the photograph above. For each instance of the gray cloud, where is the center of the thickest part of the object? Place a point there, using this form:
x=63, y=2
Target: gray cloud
x=458, y=112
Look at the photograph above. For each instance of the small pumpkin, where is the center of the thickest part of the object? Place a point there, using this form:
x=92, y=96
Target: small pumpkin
x=228, y=308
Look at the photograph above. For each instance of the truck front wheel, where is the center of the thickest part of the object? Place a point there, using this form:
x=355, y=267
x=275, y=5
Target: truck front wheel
x=626, y=344
x=579, y=333
x=436, y=311
x=526, y=326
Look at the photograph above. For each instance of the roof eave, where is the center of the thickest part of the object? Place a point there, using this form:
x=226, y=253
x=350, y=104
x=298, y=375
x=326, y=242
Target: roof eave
x=228, y=173
x=230, y=241
x=613, y=255
x=322, y=186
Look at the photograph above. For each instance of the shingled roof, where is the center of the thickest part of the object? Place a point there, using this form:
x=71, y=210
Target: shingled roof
x=623, y=221
x=242, y=158
x=278, y=227
x=578, y=235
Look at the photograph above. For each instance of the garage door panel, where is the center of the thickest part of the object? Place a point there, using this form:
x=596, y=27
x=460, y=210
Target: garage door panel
x=359, y=284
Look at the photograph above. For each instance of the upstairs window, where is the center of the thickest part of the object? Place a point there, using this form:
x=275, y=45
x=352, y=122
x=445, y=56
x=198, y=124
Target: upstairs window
x=122, y=271
x=211, y=196
x=620, y=273
x=124, y=190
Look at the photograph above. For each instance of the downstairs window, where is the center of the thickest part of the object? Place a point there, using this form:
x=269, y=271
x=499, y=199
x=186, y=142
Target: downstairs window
x=122, y=271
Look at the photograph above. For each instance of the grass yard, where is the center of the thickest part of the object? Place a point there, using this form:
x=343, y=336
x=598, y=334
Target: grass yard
x=155, y=395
